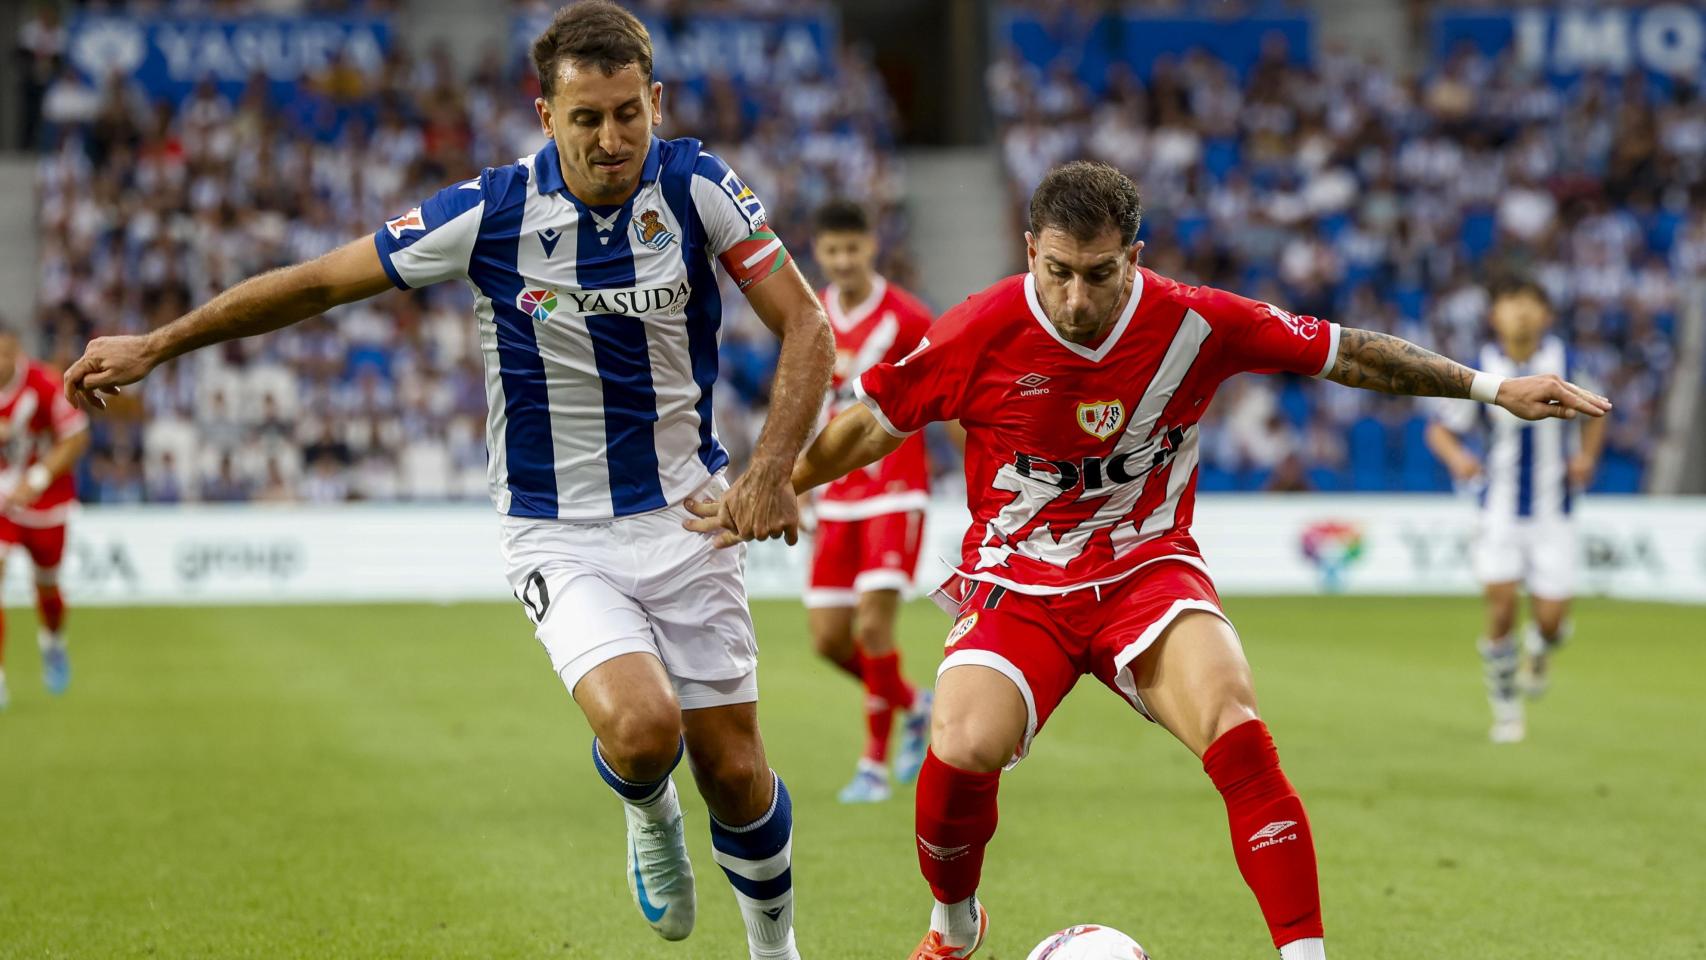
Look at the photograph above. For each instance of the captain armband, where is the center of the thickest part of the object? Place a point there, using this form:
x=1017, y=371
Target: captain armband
x=756, y=257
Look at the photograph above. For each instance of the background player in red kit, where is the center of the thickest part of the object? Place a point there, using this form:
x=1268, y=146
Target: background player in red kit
x=870, y=522
x=41, y=437
x=1080, y=385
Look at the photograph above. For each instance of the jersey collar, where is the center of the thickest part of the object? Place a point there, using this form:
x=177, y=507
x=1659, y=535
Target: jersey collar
x=856, y=316
x=1107, y=345
x=548, y=168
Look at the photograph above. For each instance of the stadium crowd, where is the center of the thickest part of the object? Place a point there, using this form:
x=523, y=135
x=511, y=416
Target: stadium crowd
x=149, y=208
x=1346, y=191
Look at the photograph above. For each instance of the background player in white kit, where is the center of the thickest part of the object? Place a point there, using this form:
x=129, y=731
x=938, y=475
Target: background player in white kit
x=598, y=313
x=1528, y=483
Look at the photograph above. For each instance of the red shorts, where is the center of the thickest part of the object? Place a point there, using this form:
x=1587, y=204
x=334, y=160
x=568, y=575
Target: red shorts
x=850, y=557
x=46, y=545
x=1045, y=643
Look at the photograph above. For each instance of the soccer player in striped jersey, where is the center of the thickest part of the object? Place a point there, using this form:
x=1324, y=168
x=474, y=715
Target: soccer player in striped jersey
x=1528, y=485
x=592, y=264
x=870, y=522
x=1080, y=384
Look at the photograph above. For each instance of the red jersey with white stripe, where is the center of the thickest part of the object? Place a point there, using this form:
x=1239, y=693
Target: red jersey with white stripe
x=1081, y=461
x=884, y=328
x=34, y=415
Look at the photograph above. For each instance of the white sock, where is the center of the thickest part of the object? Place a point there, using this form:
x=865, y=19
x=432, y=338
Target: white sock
x=48, y=639
x=1313, y=948
x=956, y=922
x=662, y=807
x=1499, y=662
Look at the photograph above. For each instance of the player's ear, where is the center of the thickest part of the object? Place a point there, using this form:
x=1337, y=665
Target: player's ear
x=1030, y=250
x=1136, y=249
x=657, y=103
x=544, y=111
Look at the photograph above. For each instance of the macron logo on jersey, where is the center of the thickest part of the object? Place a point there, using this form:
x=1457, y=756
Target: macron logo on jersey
x=408, y=221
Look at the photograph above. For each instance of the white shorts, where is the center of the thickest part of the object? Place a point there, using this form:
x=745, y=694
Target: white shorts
x=644, y=584
x=1540, y=554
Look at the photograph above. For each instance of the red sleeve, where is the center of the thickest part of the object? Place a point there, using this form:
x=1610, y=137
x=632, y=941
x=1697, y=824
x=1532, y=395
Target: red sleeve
x=54, y=414
x=915, y=323
x=928, y=384
x=1259, y=337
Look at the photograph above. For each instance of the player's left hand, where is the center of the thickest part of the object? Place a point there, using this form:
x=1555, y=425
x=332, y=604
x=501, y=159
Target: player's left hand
x=759, y=506
x=1549, y=395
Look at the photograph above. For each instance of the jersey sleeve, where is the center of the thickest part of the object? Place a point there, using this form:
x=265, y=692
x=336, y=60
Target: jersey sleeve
x=914, y=327
x=55, y=416
x=737, y=228
x=928, y=384
x=434, y=241
x=1257, y=337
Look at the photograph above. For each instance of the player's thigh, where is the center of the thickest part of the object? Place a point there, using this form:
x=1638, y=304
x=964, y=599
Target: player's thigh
x=694, y=595
x=1553, y=555
x=878, y=611
x=1004, y=673
x=1170, y=651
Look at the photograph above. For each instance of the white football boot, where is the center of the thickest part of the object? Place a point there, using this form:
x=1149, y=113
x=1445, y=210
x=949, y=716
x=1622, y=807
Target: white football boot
x=659, y=874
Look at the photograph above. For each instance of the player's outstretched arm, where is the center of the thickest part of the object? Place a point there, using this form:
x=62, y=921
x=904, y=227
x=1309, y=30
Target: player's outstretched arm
x=761, y=504
x=852, y=440
x=1378, y=361
x=258, y=305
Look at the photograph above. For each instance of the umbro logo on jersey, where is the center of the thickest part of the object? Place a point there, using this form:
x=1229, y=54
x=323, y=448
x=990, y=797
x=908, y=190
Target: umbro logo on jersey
x=1031, y=384
x=1273, y=834
x=548, y=240
x=943, y=854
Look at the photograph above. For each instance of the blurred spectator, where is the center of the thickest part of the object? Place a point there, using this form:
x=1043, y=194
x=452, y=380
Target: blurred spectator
x=148, y=209
x=1343, y=190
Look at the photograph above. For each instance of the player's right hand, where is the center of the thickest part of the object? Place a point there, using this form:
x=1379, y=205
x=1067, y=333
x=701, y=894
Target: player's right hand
x=1549, y=395
x=107, y=364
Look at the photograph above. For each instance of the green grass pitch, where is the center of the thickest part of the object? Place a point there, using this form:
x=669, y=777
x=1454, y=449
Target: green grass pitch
x=395, y=781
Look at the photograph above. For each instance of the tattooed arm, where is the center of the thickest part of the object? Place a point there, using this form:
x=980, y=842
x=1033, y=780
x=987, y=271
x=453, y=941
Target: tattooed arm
x=1377, y=361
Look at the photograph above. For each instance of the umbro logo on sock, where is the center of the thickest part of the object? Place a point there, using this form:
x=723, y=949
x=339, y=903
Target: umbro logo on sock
x=1273, y=834
x=943, y=853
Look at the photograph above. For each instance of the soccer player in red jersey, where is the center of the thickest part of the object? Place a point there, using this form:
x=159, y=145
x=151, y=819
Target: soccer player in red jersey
x=41, y=437
x=870, y=522
x=1080, y=384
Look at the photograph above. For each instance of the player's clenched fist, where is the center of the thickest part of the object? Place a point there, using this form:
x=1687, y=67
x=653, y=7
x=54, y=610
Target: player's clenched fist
x=107, y=364
x=1549, y=395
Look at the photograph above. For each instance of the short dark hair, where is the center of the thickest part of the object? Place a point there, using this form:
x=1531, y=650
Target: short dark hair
x=597, y=33
x=1517, y=286
x=1084, y=198
x=841, y=216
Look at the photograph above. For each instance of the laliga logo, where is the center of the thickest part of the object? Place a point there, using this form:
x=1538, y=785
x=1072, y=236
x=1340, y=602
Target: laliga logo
x=1333, y=547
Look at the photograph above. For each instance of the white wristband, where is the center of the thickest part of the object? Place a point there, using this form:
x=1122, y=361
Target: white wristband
x=37, y=477
x=1485, y=387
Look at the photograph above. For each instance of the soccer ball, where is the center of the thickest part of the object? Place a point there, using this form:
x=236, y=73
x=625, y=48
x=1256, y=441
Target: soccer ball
x=1088, y=941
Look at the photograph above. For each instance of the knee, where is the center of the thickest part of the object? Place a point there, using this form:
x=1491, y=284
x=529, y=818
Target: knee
x=875, y=635
x=959, y=742
x=734, y=773
x=831, y=644
x=1232, y=704
x=642, y=745
x=1550, y=625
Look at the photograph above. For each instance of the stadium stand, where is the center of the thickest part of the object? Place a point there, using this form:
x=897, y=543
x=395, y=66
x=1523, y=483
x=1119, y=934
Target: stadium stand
x=150, y=207
x=1338, y=188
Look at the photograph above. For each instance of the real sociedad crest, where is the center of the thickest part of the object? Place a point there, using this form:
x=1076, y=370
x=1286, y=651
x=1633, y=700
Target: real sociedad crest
x=648, y=226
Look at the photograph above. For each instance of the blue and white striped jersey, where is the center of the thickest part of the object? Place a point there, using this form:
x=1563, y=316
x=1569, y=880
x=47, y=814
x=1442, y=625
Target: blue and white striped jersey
x=1526, y=467
x=598, y=325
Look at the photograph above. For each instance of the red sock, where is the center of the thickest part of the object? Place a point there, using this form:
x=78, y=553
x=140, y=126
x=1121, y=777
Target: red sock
x=956, y=815
x=1270, y=831
x=885, y=692
x=883, y=679
x=853, y=665
x=52, y=607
